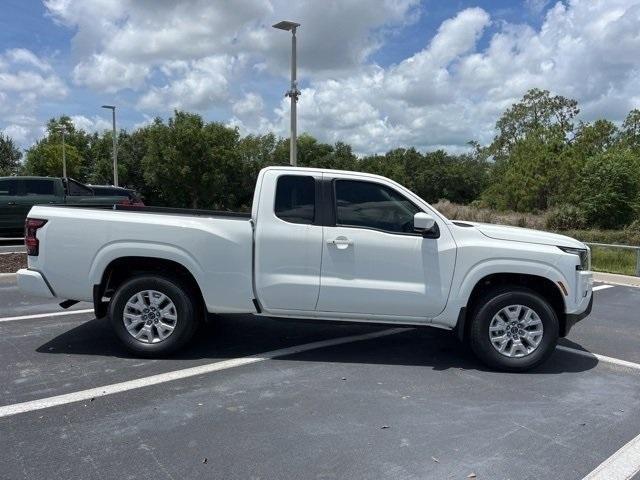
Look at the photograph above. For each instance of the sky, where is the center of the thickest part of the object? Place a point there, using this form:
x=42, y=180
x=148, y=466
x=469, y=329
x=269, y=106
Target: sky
x=377, y=74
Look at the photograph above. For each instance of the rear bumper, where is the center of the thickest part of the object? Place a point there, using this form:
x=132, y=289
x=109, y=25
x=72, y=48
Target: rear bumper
x=33, y=283
x=572, y=318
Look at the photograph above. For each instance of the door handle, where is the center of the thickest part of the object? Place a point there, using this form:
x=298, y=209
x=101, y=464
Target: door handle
x=11, y=203
x=340, y=242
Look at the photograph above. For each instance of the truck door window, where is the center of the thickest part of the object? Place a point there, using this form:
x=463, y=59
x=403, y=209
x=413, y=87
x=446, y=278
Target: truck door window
x=37, y=187
x=296, y=199
x=371, y=205
x=8, y=187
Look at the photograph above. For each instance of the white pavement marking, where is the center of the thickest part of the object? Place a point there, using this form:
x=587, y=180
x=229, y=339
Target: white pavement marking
x=601, y=287
x=43, y=315
x=622, y=465
x=602, y=358
x=9, y=410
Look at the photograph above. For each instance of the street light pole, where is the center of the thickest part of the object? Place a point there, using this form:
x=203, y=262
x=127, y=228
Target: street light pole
x=63, y=130
x=115, y=144
x=293, y=93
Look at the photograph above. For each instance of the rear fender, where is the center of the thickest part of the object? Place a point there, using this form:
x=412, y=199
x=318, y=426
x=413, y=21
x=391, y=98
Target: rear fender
x=113, y=251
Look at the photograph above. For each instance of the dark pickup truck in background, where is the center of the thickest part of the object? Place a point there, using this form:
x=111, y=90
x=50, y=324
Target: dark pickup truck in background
x=19, y=194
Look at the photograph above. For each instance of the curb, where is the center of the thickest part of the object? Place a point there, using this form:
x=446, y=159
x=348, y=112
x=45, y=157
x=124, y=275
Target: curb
x=617, y=279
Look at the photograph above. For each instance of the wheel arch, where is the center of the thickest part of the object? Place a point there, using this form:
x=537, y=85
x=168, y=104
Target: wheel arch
x=121, y=269
x=544, y=286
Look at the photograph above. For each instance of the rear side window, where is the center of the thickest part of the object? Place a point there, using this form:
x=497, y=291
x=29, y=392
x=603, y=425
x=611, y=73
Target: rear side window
x=296, y=199
x=38, y=187
x=8, y=187
x=77, y=189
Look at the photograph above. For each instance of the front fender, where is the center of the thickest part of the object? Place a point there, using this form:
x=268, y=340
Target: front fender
x=507, y=265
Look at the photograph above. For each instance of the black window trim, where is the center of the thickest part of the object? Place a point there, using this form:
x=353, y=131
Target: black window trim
x=334, y=207
x=318, y=207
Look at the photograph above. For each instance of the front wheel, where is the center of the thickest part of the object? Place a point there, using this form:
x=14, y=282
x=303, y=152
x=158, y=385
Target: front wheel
x=513, y=330
x=152, y=315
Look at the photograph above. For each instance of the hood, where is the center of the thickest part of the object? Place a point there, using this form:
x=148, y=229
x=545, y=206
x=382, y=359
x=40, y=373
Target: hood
x=517, y=234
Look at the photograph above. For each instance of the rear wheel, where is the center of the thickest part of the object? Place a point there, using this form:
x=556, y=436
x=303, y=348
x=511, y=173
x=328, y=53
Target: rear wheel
x=152, y=315
x=513, y=329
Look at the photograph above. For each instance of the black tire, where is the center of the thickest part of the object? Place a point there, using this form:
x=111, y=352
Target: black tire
x=490, y=305
x=185, y=306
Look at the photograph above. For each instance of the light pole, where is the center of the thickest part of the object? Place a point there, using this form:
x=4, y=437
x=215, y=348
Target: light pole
x=293, y=93
x=115, y=144
x=63, y=130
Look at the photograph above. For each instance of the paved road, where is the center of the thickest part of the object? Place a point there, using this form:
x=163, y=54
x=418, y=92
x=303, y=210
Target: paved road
x=411, y=405
x=12, y=245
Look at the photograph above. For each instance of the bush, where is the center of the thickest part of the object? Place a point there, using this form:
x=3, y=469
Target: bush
x=608, y=189
x=565, y=217
x=634, y=227
x=472, y=213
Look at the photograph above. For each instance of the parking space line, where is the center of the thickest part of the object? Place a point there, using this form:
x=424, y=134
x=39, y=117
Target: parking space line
x=44, y=315
x=602, y=358
x=602, y=287
x=8, y=410
x=622, y=465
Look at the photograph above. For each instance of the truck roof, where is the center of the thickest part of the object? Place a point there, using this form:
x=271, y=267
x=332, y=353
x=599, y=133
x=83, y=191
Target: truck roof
x=28, y=177
x=326, y=170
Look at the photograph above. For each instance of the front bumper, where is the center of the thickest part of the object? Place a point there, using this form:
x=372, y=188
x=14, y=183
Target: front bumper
x=33, y=283
x=572, y=318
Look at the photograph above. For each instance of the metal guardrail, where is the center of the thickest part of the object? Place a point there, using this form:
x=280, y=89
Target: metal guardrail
x=624, y=247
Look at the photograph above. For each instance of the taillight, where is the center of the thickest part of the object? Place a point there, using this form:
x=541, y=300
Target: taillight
x=125, y=201
x=31, y=226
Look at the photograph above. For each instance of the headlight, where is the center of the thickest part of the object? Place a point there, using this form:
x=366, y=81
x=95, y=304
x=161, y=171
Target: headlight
x=583, y=253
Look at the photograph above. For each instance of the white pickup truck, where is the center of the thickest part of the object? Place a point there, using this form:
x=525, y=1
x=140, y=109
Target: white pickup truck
x=318, y=244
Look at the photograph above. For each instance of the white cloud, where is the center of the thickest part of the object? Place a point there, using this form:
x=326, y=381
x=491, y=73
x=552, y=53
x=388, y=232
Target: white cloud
x=26, y=57
x=251, y=104
x=26, y=80
x=122, y=43
x=94, y=124
x=453, y=91
x=202, y=85
x=108, y=74
x=196, y=56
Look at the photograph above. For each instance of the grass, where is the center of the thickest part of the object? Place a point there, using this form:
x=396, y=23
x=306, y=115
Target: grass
x=603, y=259
x=613, y=260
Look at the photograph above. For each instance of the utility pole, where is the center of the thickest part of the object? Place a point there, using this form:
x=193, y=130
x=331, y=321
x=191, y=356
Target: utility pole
x=115, y=144
x=63, y=130
x=293, y=92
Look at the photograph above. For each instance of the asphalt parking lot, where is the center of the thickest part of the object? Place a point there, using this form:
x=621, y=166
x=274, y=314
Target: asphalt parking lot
x=365, y=403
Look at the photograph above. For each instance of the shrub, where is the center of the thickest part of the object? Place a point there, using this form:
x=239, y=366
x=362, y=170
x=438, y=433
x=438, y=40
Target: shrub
x=565, y=217
x=608, y=189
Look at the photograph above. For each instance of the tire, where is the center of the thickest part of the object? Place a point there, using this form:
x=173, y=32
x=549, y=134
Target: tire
x=158, y=340
x=502, y=305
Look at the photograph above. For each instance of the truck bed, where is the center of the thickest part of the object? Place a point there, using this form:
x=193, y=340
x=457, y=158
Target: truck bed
x=160, y=210
x=78, y=243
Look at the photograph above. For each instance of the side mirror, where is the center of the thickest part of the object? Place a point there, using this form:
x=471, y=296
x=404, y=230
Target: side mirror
x=423, y=222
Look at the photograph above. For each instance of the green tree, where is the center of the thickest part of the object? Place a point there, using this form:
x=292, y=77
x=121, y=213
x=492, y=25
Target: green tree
x=526, y=181
x=10, y=156
x=78, y=139
x=45, y=159
x=193, y=164
x=608, y=189
x=538, y=113
x=530, y=152
x=630, y=134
